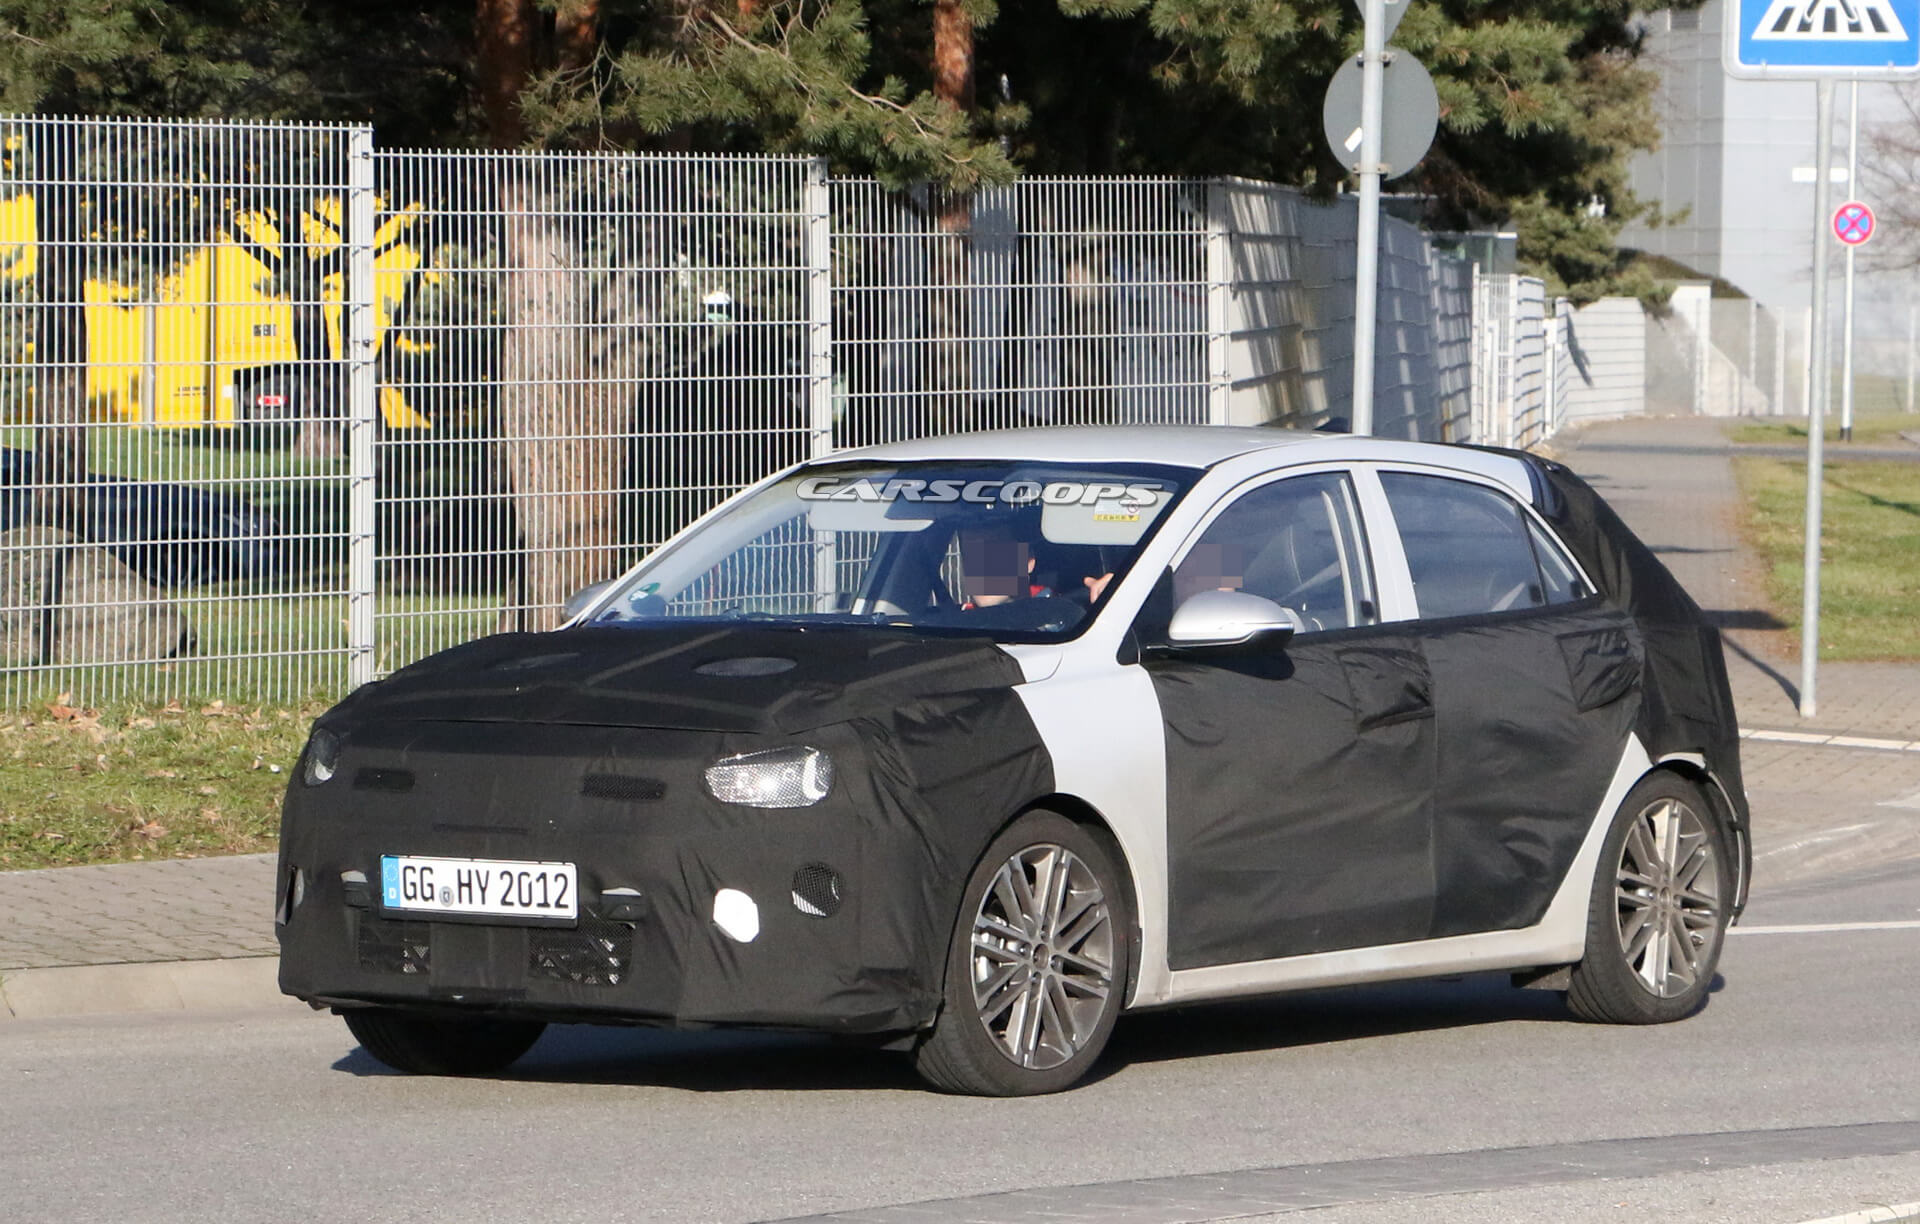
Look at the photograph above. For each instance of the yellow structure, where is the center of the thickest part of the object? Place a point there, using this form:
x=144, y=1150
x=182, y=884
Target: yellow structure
x=218, y=337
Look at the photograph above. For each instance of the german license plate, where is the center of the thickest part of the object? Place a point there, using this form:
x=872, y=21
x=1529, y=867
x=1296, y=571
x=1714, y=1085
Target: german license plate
x=486, y=888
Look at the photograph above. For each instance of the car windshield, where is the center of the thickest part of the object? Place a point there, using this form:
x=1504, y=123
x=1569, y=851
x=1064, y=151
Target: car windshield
x=1016, y=551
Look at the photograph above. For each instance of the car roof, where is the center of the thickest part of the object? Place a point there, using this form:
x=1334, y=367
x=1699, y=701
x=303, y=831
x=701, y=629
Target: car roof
x=1194, y=446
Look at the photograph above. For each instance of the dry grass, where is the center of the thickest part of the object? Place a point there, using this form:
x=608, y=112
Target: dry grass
x=175, y=781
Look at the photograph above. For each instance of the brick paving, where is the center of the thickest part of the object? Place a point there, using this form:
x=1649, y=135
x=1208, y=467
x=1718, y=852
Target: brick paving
x=181, y=909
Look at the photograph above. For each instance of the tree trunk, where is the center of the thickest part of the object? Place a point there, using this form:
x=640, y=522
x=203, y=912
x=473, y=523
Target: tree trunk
x=948, y=258
x=504, y=37
x=563, y=413
x=576, y=34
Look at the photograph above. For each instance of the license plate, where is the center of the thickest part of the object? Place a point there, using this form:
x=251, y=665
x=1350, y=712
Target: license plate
x=488, y=888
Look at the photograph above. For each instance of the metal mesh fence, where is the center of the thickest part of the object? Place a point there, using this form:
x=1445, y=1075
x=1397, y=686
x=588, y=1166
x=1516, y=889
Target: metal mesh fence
x=173, y=517
x=1053, y=301
x=1529, y=370
x=1453, y=322
x=284, y=412
x=594, y=350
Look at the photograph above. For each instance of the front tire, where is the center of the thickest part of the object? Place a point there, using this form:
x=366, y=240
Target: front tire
x=433, y=1045
x=1660, y=906
x=1038, y=965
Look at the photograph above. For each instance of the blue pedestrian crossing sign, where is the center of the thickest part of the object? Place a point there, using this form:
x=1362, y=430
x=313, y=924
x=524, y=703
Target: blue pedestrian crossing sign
x=1808, y=39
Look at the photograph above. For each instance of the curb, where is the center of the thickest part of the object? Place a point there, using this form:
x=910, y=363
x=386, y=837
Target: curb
x=94, y=990
x=1874, y=1215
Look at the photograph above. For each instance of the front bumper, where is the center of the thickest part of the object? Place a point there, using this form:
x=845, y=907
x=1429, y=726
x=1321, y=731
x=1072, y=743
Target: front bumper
x=652, y=852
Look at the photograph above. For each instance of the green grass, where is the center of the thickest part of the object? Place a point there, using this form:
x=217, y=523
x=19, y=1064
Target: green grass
x=142, y=782
x=1870, y=551
x=1869, y=429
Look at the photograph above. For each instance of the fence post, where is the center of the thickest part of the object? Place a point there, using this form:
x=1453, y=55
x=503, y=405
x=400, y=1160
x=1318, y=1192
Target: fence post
x=1219, y=303
x=361, y=397
x=817, y=206
x=1778, y=326
x=1913, y=334
x=1551, y=343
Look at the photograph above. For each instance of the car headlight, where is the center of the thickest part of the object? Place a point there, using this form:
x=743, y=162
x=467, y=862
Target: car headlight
x=323, y=756
x=772, y=778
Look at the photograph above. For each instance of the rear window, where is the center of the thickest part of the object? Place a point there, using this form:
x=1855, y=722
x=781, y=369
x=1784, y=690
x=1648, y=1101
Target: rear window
x=1472, y=550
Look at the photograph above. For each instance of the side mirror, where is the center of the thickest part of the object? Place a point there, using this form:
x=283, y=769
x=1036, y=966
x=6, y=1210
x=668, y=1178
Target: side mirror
x=583, y=599
x=1227, y=618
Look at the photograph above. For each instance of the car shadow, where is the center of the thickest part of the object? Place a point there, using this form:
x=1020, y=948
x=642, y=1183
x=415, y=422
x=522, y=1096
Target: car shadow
x=711, y=1061
x=741, y=1061
x=1328, y=1017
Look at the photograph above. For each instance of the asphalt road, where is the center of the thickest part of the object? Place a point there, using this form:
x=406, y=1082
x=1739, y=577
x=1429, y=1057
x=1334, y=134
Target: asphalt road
x=277, y=1116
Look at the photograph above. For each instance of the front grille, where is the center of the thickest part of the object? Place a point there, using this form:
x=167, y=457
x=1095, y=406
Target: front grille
x=623, y=786
x=397, y=781
x=595, y=953
x=395, y=947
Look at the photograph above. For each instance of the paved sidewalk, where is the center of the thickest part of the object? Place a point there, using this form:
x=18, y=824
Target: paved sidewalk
x=129, y=913
x=1671, y=478
x=1819, y=808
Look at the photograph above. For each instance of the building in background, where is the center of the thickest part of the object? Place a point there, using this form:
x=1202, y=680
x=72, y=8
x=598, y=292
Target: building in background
x=1737, y=157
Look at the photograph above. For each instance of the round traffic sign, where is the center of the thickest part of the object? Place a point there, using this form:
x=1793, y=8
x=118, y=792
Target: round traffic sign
x=1409, y=113
x=1853, y=223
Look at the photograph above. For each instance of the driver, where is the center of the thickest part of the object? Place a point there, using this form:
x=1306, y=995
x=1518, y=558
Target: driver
x=995, y=569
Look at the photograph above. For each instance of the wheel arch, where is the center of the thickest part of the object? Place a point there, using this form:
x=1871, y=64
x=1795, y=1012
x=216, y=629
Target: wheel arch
x=1089, y=817
x=1085, y=814
x=1692, y=766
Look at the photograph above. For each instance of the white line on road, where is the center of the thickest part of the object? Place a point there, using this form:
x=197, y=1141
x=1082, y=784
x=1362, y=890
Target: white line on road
x=1821, y=928
x=1814, y=839
x=1911, y=801
x=1822, y=740
x=1874, y=1215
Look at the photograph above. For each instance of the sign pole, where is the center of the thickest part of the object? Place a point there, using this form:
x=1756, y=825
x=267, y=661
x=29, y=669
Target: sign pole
x=1822, y=389
x=1846, y=307
x=1913, y=336
x=1366, y=262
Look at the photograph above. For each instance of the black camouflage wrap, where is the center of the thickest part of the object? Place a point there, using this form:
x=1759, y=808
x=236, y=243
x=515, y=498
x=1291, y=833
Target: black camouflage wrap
x=1411, y=781
x=589, y=746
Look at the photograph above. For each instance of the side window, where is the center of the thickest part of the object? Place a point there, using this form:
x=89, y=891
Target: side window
x=1563, y=582
x=1297, y=542
x=1469, y=549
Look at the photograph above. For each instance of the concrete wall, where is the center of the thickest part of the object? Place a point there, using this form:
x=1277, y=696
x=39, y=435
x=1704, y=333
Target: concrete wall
x=1603, y=368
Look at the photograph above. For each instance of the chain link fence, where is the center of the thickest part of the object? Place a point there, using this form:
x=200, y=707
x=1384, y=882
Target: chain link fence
x=285, y=411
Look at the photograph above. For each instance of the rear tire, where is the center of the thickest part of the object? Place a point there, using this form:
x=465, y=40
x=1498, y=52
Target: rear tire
x=432, y=1045
x=1037, y=969
x=1658, y=914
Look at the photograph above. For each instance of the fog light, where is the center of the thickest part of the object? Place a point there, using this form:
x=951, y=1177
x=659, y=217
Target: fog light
x=816, y=890
x=735, y=913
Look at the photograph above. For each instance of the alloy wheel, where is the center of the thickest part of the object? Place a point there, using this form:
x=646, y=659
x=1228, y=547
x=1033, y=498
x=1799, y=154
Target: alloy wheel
x=1668, y=894
x=1043, y=956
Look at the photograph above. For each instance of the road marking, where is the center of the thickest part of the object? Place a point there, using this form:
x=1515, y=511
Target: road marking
x=1817, y=739
x=1874, y=1215
x=1815, y=839
x=1911, y=801
x=1823, y=928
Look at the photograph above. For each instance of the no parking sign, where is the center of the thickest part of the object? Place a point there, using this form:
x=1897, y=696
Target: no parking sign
x=1853, y=223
